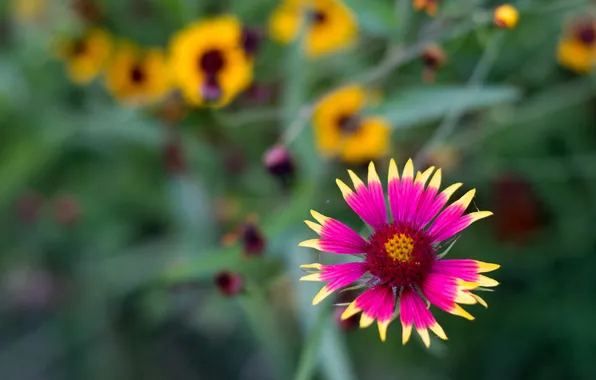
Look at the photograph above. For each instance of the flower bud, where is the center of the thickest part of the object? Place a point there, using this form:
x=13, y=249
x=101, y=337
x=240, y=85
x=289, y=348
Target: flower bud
x=251, y=41
x=228, y=283
x=67, y=209
x=506, y=16
x=279, y=163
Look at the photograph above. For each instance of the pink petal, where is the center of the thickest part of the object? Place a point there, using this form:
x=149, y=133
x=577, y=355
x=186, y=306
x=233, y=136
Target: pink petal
x=340, y=275
x=367, y=203
x=377, y=303
x=450, y=216
x=413, y=310
x=429, y=212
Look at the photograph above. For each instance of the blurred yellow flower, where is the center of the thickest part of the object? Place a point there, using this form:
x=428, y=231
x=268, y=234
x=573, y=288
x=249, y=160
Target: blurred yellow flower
x=576, y=49
x=506, y=16
x=332, y=25
x=208, y=61
x=86, y=56
x=28, y=10
x=429, y=5
x=341, y=131
x=138, y=77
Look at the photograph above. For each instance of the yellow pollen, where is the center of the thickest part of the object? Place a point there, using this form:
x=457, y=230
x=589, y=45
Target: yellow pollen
x=400, y=247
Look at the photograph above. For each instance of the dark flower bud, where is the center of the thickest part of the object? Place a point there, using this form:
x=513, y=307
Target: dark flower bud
x=174, y=160
x=253, y=240
x=88, y=10
x=67, y=209
x=518, y=210
x=228, y=283
x=280, y=164
x=251, y=41
x=433, y=58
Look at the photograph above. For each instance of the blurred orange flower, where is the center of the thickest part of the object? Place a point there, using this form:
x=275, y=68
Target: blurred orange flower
x=208, y=61
x=332, y=25
x=341, y=131
x=577, y=47
x=138, y=77
x=86, y=56
x=429, y=5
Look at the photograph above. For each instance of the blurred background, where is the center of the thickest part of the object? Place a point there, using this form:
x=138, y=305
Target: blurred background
x=150, y=214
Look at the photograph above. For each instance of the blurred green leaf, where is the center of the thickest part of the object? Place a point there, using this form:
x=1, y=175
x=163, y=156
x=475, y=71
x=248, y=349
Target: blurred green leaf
x=421, y=105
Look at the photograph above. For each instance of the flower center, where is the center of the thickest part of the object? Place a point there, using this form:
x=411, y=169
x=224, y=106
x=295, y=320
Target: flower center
x=318, y=17
x=79, y=47
x=400, y=248
x=137, y=74
x=212, y=61
x=586, y=34
x=348, y=124
x=399, y=255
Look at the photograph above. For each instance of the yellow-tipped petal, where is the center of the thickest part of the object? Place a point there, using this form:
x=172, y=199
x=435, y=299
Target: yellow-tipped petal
x=479, y=215
x=465, y=298
x=312, y=243
x=438, y=330
x=383, y=329
x=465, y=285
x=355, y=180
x=350, y=311
x=319, y=217
x=480, y=300
x=406, y=333
x=408, y=170
x=435, y=182
x=321, y=295
x=486, y=267
x=424, y=176
x=393, y=172
x=448, y=192
x=425, y=337
x=311, y=266
x=465, y=200
x=345, y=190
x=311, y=277
x=313, y=226
x=459, y=311
x=366, y=320
x=373, y=176
x=487, y=281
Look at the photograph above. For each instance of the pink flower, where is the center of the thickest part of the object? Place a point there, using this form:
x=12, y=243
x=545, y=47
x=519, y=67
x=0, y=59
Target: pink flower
x=402, y=264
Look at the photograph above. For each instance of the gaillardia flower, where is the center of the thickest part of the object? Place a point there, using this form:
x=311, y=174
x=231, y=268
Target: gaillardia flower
x=341, y=131
x=332, y=26
x=576, y=50
x=138, y=77
x=86, y=56
x=429, y=5
x=402, y=264
x=209, y=63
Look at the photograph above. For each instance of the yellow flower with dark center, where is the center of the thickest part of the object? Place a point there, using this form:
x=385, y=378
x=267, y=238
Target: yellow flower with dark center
x=138, y=77
x=86, y=56
x=429, y=5
x=342, y=132
x=209, y=63
x=332, y=24
x=576, y=49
